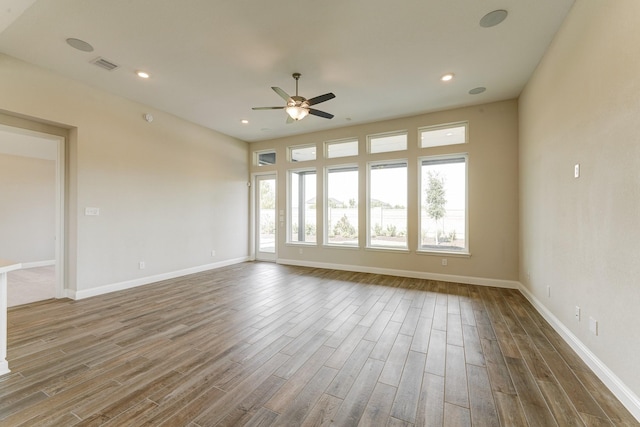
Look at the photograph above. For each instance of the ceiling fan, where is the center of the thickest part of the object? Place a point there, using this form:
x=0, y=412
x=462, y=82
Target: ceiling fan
x=298, y=107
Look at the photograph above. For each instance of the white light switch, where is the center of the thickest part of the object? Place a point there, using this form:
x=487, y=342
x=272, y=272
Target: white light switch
x=92, y=211
x=576, y=170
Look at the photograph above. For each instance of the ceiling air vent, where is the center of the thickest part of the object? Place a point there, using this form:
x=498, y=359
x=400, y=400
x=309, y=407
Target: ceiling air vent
x=103, y=63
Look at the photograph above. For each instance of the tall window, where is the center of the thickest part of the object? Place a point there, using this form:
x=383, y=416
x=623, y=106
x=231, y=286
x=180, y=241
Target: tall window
x=443, y=201
x=341, y=206
x=387, y=204
x=302, y=206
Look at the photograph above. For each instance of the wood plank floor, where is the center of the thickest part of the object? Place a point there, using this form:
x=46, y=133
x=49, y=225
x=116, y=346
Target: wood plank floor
x=262, y=344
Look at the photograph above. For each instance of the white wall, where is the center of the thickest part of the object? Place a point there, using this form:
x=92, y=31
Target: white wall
x=27, y=208
x=169, y=192
x=581, y=236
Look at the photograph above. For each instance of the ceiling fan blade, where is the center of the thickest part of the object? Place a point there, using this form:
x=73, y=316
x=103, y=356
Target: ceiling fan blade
x=268, y=108
x=321, y=98
x=320, y=113
x=282, y=93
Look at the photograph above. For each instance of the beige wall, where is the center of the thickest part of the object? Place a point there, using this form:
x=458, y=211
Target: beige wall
x=27, y=208
x=581, y=236
x=493, y=197
x=169, y=192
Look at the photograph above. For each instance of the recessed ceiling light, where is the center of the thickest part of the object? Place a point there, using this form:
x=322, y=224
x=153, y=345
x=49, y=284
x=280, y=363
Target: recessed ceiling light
x=492, y=19
x=79, y=44
x=244, y=121
x=477, y=90
x=142, y=74
x=447, y=77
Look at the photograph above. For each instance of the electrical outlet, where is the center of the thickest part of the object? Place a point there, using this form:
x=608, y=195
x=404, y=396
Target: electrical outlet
x=444, y=262
x=213, y=252
x=577, y=313
x=141, y=265
x=576, y=170
x=593, y=326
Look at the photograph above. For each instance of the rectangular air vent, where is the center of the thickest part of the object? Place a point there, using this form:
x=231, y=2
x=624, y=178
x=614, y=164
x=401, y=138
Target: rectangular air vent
x=103, y=63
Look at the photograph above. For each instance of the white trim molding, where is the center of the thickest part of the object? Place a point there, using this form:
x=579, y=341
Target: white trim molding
x=36, y=264
x=482, y=281
x=100, y=290
x=627, y=397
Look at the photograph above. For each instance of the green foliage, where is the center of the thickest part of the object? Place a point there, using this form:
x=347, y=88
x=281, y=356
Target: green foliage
x=344, y=228
x=436, y=196
x=267, y=196
x=391, y=230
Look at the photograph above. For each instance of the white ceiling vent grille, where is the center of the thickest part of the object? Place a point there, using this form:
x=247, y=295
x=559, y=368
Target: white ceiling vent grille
x=103, y=63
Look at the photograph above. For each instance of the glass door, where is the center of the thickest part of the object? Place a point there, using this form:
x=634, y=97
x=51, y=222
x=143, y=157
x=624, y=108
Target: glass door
x=266, y=218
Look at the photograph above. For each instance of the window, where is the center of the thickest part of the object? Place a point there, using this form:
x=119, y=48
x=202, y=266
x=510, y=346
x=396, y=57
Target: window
x=302, y=206
x=264, y=158
x=302, y=154
x=436, y=136
x=387, y=204
x=443, y=204
x=335, y=149
x=387, y=142
x=341, y=206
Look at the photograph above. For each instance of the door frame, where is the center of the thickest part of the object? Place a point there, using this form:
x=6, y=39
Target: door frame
x=255, y=226
x=59, y=237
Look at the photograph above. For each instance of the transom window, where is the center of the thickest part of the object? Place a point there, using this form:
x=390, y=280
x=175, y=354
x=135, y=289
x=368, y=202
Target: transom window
x=302, y=154
x=384, y=143
x=345, y=148
x=449, y=134
x=264, y=158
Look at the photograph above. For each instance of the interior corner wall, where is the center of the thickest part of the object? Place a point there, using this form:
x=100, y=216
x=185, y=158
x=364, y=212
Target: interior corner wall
x=27, y=208
x=168, y=192
x=580, y=236
x=492, y=196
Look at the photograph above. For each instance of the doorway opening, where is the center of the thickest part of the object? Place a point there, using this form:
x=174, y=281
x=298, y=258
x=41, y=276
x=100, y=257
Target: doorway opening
x=32, y=213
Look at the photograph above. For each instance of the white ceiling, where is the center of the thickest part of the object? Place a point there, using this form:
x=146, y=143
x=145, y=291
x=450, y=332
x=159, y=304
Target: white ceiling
x=211, y=61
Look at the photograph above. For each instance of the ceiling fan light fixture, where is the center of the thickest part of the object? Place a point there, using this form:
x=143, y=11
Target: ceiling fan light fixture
x=297, y=112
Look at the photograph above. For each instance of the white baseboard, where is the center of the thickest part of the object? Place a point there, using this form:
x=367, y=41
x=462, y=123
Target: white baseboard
x=499, y=283
x=35, y=264
x=86, y=293
x=628, y=398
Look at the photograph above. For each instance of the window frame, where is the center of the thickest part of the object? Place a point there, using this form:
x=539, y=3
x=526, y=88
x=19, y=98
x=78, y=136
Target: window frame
x=257, y=154
x=338, y=142
x=449, y=252
x=368, y=245
x=327, y=170
x=289, y=223
x=299, y=147
x=386, y=135
x=443, y=126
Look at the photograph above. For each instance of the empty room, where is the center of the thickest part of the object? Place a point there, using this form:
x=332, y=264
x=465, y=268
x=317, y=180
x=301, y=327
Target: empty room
x=225, y=213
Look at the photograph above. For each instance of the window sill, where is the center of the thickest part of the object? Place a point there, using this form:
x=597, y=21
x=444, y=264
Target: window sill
x=301, y=244
x=387, y=249
x=441, y=253
x=348, y=247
